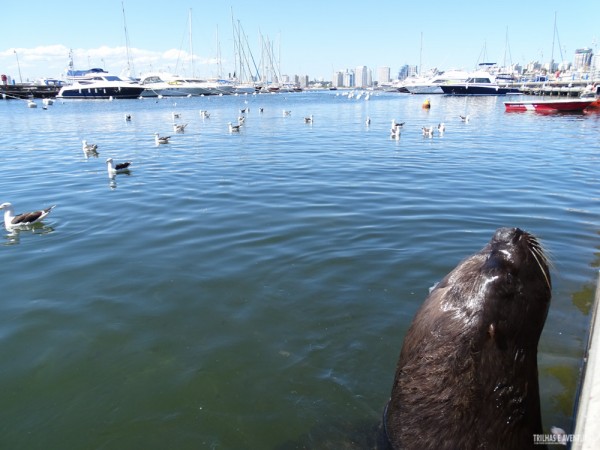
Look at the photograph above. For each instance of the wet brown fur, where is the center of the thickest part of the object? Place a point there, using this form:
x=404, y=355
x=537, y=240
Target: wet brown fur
x=467, y=373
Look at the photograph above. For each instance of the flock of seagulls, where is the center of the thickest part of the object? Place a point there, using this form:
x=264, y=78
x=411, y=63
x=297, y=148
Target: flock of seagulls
x=12, y=220
x=427, y=131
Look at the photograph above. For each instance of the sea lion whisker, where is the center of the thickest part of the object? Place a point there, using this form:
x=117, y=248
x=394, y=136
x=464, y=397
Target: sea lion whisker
x=541, y=261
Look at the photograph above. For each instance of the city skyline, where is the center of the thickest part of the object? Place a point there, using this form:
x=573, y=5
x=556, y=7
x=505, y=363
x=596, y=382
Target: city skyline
x=315, y=40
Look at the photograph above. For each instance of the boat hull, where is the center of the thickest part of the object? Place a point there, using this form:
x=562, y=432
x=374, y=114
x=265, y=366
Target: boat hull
x=548, y=106
x=98, y=92
x=474, y=89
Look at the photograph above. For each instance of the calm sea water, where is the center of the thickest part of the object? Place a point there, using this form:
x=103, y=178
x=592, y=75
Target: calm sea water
x=252, y=290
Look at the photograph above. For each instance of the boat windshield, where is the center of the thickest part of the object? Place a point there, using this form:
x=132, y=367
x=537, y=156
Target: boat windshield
x=478, y=80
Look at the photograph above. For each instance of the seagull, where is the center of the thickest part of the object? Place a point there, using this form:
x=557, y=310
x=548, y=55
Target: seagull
x=114, y=169
x=233, y=128
x=261, y=110
x=175, y=115
x=88, y=148
x=396, y=124
x=286, y=113
x=127, y=117
x=427, y=131
x=161, y=139
x=245, y=110
x=204, y=114
x=441, y=128
x=395, y=132
x=368, y=121
x=465, y=119
x=29, y=218
x=179, y=128
x=308, y=119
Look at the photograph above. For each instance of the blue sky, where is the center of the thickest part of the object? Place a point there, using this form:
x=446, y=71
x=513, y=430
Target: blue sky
x=308, y=37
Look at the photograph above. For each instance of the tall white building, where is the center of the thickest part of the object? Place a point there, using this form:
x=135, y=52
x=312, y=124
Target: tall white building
x=338, y=79
x=383, y=75
x=361, y=79
x=583, y=58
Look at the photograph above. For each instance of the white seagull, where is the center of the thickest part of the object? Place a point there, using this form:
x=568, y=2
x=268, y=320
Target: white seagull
x=441, y=128
x=368, y=121
x=204, y=114
x=233, y=128
x=161, y=139
x=11, y=220
x=179, y=128
x=465, y=119
x=128, y=117
x=286, y=113
x=427, y=131
x=88, y=148
x=308, y=119
x=114, y=169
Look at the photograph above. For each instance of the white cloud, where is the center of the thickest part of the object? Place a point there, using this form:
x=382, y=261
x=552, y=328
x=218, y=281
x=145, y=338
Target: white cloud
x=53, y=60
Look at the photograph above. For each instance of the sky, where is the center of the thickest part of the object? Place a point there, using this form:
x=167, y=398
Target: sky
x=313, y=38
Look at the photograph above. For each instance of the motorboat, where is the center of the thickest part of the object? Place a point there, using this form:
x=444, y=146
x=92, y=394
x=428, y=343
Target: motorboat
x=98, y=84
x=167, y=85
x=543, y=105
x=478, y=83
x=432, y=85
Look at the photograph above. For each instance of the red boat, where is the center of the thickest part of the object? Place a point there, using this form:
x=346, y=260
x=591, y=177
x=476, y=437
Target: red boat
x=549, y=106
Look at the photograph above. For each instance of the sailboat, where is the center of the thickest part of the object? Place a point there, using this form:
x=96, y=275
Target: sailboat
x=171, y=85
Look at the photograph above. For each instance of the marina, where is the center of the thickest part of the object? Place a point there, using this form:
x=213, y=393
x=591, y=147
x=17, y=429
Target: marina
x=252, y=289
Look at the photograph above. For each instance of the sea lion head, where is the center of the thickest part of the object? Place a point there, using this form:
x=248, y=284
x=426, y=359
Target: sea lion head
x=467, y=372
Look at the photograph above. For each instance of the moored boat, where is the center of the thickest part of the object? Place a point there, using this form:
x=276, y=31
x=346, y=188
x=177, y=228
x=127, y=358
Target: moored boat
x=479, y=83
x=549, y=106
x=97, y=84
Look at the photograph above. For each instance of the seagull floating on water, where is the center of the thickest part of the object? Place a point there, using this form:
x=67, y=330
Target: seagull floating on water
x=114, y=169
x=88, y=148
x=161, y=139
x=368, y=121
x=427, y=131
x=441, y=128
x=204, y=114
x=465, y=119
x=308, y=119
x=11, y=220
x=244, y=110
x=175, y=115
x=127, y=117
x=179, y=128
x=286, y=113
x=233, y=128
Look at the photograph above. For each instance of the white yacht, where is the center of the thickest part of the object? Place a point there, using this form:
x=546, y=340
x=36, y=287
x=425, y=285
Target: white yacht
x=432, y=85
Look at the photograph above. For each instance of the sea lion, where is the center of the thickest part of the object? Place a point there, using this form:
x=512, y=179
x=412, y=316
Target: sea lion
x=467, y=374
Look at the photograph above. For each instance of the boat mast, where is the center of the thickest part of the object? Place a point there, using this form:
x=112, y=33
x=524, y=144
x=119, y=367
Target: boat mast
x=130, y=67
x=191, y=46
x=421, y=55
x=553, y=37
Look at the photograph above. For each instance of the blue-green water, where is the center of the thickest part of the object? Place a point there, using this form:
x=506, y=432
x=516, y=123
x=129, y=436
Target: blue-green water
x=251, y=290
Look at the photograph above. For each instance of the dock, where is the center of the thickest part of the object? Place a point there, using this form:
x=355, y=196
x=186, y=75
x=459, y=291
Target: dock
x=553, y=88
x=587, y=414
